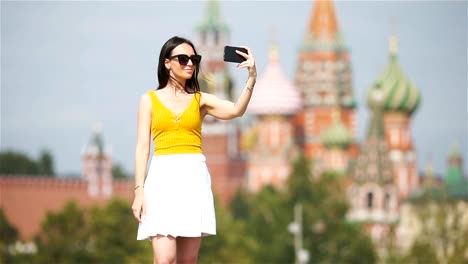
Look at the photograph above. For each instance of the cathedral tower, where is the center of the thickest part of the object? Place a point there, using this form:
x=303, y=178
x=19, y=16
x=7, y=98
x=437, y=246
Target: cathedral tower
x=323, y=76
x=270, y=143
x=455, y=180
x=96, y=166
x=373, y=194
x=220, y=140
x=400, y=98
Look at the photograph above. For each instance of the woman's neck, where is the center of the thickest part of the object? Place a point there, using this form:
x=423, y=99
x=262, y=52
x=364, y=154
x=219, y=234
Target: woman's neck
x=177, y=86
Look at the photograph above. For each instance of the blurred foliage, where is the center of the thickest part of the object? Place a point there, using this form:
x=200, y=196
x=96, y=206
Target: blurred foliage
x=64, y=237
x=253, y=229
x=76, y=235
x=391, y=250
x=421, y=252
x=46, y=163
x=118, y=172
x=327, y=236
x=11, y=248
x=113, y=235
x=17, y=163
x=269, y=217
x=444, y=231
x=9, y=235
x=231, y=244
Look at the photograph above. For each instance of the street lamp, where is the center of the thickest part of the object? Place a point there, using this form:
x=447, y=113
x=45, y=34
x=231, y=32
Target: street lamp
x=302, y=255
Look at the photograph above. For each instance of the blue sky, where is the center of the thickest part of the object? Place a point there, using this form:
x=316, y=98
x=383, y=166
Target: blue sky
x=68, y=65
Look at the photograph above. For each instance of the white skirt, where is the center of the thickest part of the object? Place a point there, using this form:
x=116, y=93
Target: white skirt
x=179, y=200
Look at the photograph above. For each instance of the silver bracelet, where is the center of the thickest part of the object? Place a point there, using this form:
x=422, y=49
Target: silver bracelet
x=138, y=186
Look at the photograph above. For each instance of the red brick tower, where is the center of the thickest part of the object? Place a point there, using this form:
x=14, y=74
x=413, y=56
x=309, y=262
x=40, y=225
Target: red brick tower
x=270, y=144
x=373, y=194
x=400, y=98
x=96, y=166
x=323, y=75
x=220, y=138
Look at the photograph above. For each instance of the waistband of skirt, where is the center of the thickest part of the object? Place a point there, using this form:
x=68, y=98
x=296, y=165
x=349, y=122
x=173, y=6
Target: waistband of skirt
x=179, y=157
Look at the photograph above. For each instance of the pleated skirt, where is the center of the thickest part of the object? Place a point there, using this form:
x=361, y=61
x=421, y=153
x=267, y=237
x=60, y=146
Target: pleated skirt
x=179, y=200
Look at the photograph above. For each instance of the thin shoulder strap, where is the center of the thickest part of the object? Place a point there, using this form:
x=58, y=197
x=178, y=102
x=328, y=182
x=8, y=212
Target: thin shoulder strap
x=154, y=100
x=197, y=97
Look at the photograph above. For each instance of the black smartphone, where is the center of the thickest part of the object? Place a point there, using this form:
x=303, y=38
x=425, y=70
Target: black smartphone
x=230, y=54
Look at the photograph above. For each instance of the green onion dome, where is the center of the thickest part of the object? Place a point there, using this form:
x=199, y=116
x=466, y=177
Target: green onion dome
x=337, y=135
x=399, y=93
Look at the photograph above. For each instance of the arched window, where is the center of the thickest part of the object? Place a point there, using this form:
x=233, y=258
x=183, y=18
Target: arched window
x=370, y=200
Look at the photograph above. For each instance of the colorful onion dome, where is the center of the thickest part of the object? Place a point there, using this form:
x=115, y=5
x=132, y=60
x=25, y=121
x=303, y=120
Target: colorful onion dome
x=337, y=135
x=274, y=94
x=399, y=93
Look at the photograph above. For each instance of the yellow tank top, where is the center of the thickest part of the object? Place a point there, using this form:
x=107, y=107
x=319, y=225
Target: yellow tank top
x=176, y=133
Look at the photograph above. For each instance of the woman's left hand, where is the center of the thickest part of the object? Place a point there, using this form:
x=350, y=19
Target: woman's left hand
x=249, y=63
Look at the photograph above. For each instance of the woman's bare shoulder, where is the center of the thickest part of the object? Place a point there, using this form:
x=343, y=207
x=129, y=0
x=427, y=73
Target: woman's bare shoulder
x=203, y=97
x=145, y=99
x=206, y=96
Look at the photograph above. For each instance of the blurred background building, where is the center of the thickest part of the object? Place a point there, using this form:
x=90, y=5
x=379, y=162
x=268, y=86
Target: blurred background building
x=26, y=199
x=313, y=115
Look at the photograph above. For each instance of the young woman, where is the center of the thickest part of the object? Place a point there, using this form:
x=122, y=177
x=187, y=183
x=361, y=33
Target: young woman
x=174, y=204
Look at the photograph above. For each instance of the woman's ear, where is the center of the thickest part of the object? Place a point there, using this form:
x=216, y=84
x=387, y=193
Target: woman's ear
x=167, y=64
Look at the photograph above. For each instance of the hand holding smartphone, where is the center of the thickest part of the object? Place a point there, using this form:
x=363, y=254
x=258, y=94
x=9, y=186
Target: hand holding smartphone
x=230, y=54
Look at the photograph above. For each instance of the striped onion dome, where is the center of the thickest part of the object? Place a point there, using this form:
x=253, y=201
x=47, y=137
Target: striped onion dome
x=399, y=93
x=274, y=94
x=337, y=135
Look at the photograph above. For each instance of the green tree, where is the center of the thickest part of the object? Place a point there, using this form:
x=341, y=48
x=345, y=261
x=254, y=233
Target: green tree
x=232, y=244
x=443, y=229
x=64, y=237
x=328, y=236
x=393, y=252
x=45, y=164
x=268, y=219
x=118, y=172
x=97, y=235
x=239, y=205
x=17, y=163
x=9, y=235
x=113, y=230
x=421, y=252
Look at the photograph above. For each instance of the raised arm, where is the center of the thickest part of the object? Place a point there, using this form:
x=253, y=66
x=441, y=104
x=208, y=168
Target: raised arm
x=223, y=109
x=142, y=152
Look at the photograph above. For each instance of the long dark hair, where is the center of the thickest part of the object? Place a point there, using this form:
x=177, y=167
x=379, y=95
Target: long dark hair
x=192, y=85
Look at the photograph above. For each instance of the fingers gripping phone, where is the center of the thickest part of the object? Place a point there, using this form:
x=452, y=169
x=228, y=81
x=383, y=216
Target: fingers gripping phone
x=230, y=54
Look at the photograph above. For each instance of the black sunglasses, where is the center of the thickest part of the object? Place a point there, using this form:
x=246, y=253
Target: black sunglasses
x=184, y=59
